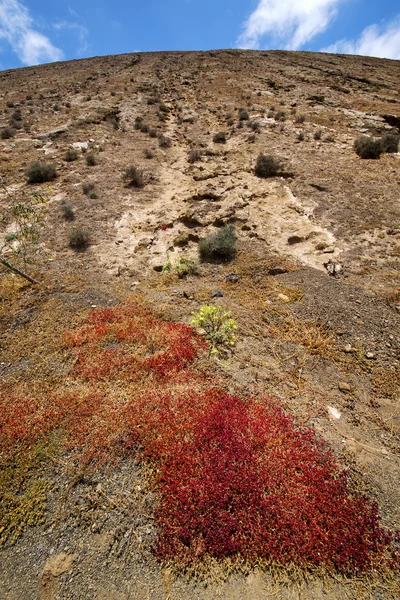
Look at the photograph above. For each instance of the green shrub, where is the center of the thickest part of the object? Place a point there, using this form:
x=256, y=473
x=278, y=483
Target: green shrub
x=78, y=239
x=217, y=325
x=134, y=177
x=390, y=143
x=219, y=245
x=318, y=134
x=300, y=119
x=163, y=108
x=267, y=166
x=367, y=147
x=39, y=172
x=219, y=138
x=71, y=155
x=243, y=115
x=148, y=153
x=280, y=115
x=181, y=267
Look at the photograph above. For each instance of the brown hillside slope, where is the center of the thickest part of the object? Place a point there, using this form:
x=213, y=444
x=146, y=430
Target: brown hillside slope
x=327, y=347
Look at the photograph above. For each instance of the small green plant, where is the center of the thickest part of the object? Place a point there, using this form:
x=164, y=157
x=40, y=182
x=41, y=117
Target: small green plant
x=300, y=119
x=217, y=325
x=219, y=138
x=39, y=172
x=368, y=148
x=243, y=115
x=219, y=245
x=182, y=267
x=78, y=239
x=267, y=166
x=148, y=153
x=318, y=134
x=134, y=177
x=27, y=215
x=71, y=155
x=163, y=108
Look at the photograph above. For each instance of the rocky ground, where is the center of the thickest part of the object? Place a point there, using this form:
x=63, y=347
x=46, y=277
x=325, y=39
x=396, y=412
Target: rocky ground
x=328, y=347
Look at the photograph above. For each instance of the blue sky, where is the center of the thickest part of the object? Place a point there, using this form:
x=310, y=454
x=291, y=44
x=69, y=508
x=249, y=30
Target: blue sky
x=40, y=31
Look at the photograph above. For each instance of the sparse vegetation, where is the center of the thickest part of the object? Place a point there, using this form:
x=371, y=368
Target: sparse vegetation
x=148, y=153
x=134, y=177
x=78, y=239
x=267, y=166
x=39, y=172
x=300, y=119
x=318, y=134
x=368, y=148
x=219, y=245
x=243, y=115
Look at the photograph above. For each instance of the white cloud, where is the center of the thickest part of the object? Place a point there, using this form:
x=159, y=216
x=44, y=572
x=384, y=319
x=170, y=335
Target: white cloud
x=383, y=42
x=80, y=30
x=288, y=22
x=16, y=27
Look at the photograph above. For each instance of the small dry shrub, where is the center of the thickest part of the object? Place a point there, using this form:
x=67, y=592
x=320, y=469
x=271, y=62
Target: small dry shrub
x=91, y=159
x=390, y=143
x=39, y=172
x=164, y=141
x=300, y=119
x=7, y=133
x=267, y=166
x=243, y=115
x=71, y=155
x=78, y=239
x=368, y=148
x=219, y=245
x=134, y=177
x=219, y=138
x=195, y=155
x=148, y=153
x=67, y=211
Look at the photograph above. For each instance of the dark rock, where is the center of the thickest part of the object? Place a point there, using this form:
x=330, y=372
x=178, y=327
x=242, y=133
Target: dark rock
x=232, y=278
x=217, y=294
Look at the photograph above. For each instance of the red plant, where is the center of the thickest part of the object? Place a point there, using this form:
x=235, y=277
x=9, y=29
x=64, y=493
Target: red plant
x=253, y=485
x=237, y=477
